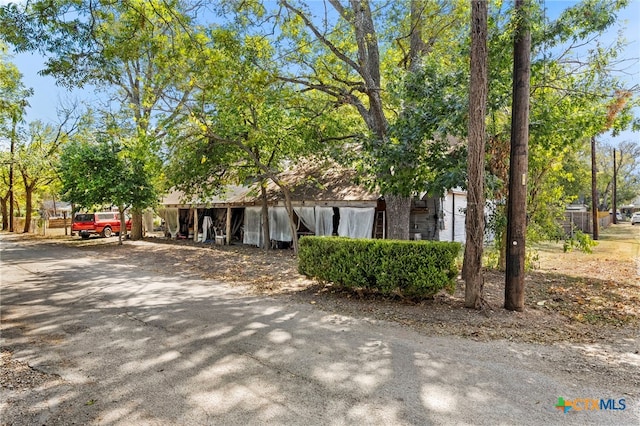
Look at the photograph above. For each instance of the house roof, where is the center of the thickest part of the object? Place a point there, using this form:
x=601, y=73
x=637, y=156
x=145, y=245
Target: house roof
x=311, y=183
x=56, y=205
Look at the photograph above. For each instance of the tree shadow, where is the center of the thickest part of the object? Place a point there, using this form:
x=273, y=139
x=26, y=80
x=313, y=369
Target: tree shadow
x=133, y=345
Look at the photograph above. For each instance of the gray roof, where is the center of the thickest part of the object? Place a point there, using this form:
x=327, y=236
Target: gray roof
x=311, y=183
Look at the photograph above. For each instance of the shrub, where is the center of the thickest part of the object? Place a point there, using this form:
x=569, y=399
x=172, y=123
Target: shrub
x=410, y=268
x=581, y=241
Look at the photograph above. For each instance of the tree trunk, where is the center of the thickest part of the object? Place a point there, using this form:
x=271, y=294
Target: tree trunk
x=5, y=212
x=123, y=225
x=398, y=212
x=29, y=208
x=472, y=267
x=266, y=244
x=292, y=223
x=594, y=189
x=136, y=225
x=614, y=198
x=11, y=166
x=518, y=164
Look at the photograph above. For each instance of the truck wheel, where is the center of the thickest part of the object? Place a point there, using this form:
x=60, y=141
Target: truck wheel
x=85, y=236
x=106, y=232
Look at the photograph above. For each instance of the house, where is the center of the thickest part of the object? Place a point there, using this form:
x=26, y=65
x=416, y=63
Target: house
x=629, y=209
x=55, y=209
x=325, y=200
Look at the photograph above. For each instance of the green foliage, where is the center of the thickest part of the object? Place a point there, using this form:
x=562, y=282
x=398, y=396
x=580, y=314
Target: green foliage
x=424, y=151
x=13, y=93
x=410, y=268
x=242, y=123
x=101, y=173
x=491, y=259
x=579, y=240
x=573, y=97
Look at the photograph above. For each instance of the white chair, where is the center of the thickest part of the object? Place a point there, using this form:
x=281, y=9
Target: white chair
x=220, y=237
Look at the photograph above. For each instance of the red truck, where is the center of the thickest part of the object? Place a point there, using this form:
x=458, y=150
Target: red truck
x=104, y=224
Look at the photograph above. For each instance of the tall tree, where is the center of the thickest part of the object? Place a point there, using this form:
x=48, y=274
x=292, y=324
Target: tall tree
x=36, y=161
x=13, y=101
x=131, y=46
x=243, y=125
x=101, y=172
x=472, y=268
x=344, y=57
x=627, y=166
x=569, y=89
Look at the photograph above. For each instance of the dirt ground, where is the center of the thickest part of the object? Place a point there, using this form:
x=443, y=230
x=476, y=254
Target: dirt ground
x=586, y=301
x=569, y=297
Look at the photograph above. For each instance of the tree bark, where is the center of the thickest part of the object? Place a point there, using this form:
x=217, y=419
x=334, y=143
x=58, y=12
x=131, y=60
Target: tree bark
x=136, y=225
x=5, y=211
x=502, y=256
x=123, y=225
x=11, y=167
x=29, y=208
x=398, y=214
x=518, y=165
x=265, y=218
x=292, y=223
x=472, y=266
x=594, y=189
x=614, y=198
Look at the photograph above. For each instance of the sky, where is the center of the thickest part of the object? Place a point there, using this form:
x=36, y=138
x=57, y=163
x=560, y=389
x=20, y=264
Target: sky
x=47, y=95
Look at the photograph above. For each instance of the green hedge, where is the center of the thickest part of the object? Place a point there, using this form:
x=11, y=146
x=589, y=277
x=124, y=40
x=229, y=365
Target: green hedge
x=411, y=268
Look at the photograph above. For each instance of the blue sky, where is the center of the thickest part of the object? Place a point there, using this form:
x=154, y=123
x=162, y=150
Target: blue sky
x=47, y=95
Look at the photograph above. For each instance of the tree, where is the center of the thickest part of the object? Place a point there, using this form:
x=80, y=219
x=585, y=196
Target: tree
x=347, y=60
x=472, y=268
x=13, y=100
x=627, y=163
x=36, y=157
x=35, y=161
x=570, y=91
x=242, y=125
x=132, y=46
x=101, y=172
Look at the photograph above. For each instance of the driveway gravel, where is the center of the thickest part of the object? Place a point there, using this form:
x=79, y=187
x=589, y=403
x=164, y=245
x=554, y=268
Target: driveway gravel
x=89, y=339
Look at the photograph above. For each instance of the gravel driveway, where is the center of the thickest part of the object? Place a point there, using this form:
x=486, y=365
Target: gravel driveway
x=86, y=340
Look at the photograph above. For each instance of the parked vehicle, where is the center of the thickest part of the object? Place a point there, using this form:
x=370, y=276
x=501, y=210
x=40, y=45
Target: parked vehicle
x=635, y=218
x=104, y=224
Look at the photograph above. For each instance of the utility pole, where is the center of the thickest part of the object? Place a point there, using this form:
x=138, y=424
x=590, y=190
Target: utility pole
x=594, y=189
x=615, y=181
x=518, y=162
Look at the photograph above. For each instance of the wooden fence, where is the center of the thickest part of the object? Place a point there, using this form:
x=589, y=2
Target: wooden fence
x=583, y=221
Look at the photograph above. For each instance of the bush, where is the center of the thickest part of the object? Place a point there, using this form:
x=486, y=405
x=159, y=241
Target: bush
x=410, y=268
x=581, y=241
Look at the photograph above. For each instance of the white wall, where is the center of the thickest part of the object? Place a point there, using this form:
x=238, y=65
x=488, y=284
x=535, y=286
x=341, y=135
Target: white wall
x=454, y=205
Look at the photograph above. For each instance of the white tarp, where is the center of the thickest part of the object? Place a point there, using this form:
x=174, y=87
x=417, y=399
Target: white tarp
x=171, y=221
x=308, y=217
x=279, y=228
x=356, y=222
x=252, y=226
x=207, y=227
x=318, y=220
x=324, y=221
x=147, y=220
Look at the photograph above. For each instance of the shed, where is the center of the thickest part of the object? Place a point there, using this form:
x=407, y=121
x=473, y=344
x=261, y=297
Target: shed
x=326, y=201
